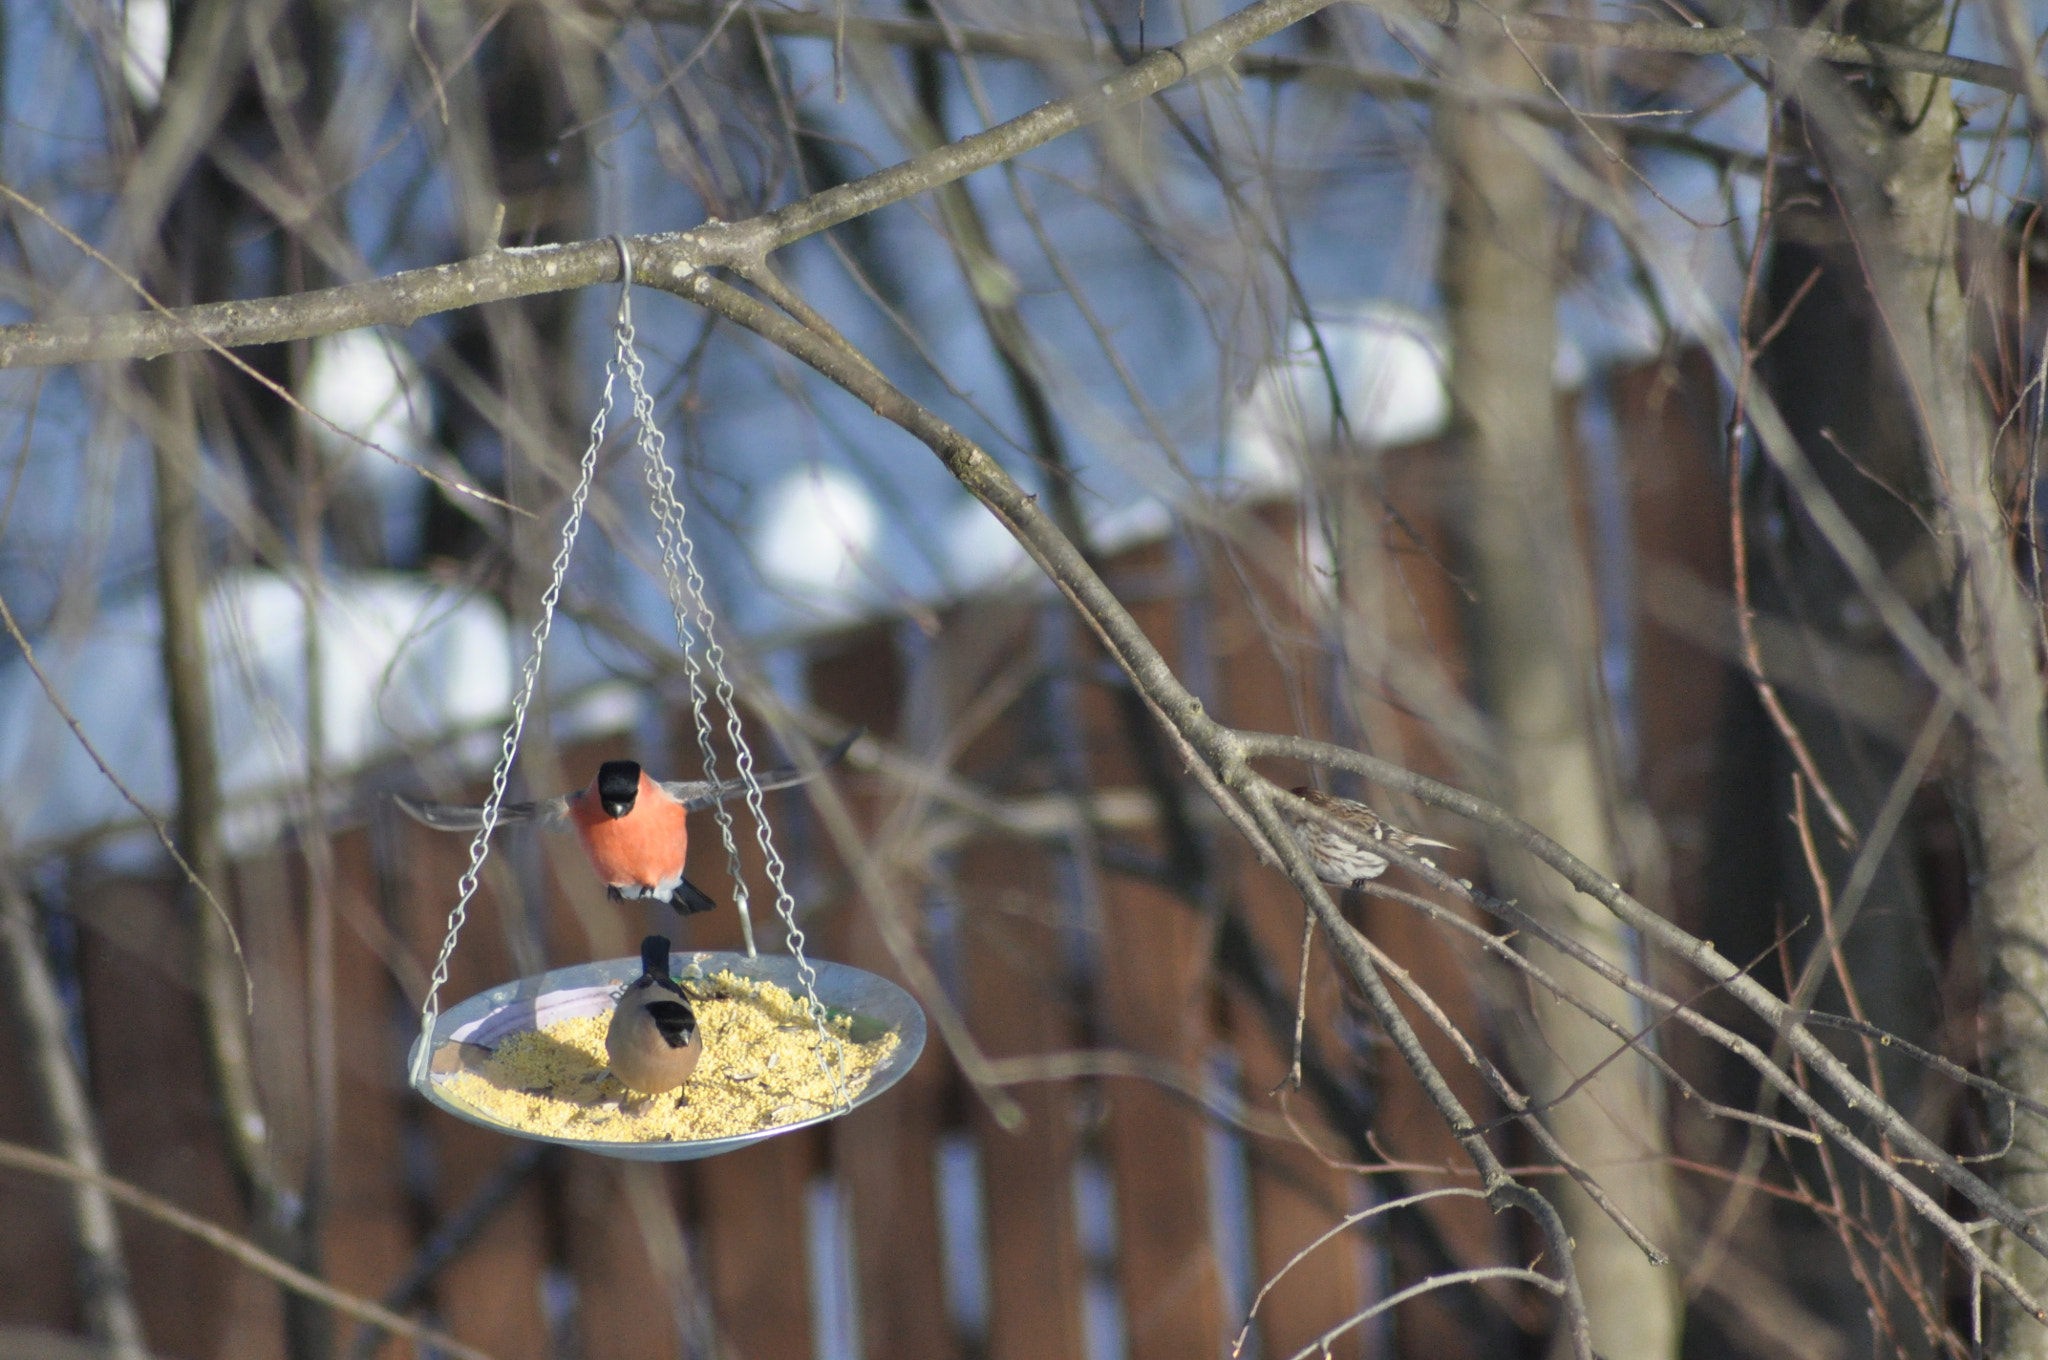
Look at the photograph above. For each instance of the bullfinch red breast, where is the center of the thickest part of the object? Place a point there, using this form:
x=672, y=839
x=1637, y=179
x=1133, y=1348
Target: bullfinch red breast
x=653, y=1044
x=635, y=829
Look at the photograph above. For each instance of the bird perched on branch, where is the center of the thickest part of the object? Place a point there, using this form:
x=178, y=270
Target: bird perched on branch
x=634, y=829
x=1346, y=858
x=653, y=1044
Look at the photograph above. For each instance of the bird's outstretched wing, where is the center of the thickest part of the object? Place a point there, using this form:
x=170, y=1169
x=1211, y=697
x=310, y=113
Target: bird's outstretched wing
x=468, y=817
x=700, y=793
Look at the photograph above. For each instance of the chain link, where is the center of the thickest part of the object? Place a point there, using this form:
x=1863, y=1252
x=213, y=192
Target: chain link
x=678, y=562
x=529, y=676
x=690, y=599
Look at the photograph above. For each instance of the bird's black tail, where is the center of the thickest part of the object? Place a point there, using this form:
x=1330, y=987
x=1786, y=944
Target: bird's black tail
x=688, y=899
x=654, y=956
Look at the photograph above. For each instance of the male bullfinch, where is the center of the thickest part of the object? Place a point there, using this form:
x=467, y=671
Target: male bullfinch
x=634, y=829
x=1346, y=858
x=653, y=1044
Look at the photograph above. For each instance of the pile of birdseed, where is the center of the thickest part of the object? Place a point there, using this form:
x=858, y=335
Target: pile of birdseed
x=762, y=1067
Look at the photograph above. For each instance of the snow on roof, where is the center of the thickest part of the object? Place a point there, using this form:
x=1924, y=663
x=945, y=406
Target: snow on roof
x=817, y=538
x=1388, y=362
x=403, y=664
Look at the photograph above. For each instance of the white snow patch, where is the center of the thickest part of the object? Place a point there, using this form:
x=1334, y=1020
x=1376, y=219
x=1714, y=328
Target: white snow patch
x=816, y=535
x=1135, y=521
x=979, y=552
x=402, y=663
x=145, y=50
x=369, y=387
x=1389, y=364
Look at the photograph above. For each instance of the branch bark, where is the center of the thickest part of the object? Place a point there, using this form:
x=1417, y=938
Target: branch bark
x=1900, y=207
x=110, y=1315
x=663, y=259
x=17, y=1158
x=496, y=275
x=1536, y=642
x=1803, y=44
x=1229, y=777
x=181, y=590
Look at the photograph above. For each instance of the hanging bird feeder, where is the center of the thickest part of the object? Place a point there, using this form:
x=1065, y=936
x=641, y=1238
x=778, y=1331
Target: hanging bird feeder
x=787, y=1041
x=738, y=1082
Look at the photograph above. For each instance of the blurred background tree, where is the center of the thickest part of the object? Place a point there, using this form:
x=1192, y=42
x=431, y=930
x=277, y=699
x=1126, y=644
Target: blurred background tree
x=1629, y=417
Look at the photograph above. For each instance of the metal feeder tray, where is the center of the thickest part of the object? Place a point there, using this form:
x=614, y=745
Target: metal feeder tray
x=877, y=1006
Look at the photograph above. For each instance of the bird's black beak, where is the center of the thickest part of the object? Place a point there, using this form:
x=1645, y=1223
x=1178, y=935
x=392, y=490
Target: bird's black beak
x=618, y=787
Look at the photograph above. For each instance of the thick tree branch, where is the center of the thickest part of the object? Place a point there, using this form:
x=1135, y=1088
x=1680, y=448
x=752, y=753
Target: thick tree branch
x=498, y=275
x=1795, y=46
x=1501, y=254
x=1700, y=954
x=1754, y=43
x=665, y=258
x=1178, y=710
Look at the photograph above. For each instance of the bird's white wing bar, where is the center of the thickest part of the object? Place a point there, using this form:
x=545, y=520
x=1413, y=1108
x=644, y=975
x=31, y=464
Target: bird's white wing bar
x=469, y=816
x=698, y=794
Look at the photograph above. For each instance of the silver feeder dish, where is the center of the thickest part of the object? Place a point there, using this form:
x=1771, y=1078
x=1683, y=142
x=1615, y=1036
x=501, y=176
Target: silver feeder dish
x=875, y=1005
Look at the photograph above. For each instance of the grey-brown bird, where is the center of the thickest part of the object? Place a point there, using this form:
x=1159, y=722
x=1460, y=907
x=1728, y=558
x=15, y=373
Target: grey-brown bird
x=653, y=1043
x=1346, y=858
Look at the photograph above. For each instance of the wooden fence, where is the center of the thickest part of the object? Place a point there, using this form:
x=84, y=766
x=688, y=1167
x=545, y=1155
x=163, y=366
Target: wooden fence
x=1119, y=1207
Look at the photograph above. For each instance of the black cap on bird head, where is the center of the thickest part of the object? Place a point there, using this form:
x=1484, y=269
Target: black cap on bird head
x=618, y=786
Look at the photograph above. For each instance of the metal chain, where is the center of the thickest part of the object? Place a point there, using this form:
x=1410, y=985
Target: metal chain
x=677, y=558
x=529, y=676
x=694, y=614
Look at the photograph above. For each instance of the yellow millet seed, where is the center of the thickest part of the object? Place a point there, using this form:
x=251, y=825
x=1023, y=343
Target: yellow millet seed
x=763, y=1066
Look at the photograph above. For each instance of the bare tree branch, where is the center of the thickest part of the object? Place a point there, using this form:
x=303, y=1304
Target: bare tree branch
x=664, y=259
x=1701, y=955
x=1760, y=44
x=1218, y=747
x=67, y=1109
x=17, y=1158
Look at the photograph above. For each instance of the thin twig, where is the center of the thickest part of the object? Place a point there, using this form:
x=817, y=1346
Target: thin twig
x=1116, y=1062
x=19, y=1158
x=1343, y=1225
x=109, y=1305
x=1321, y=1345
x=163, y=835
x=1745, y=613
x=1308, y=939
x=176, y=317
x=1751, y=43
x=1523, y=1109
x=893, y=923
x=664, y=260
x=1498, y=946
x=451, y=1237
x=1700, y=954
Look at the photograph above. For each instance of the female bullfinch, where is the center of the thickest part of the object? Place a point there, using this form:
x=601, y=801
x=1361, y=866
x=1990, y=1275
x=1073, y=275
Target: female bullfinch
x=653, y=1043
